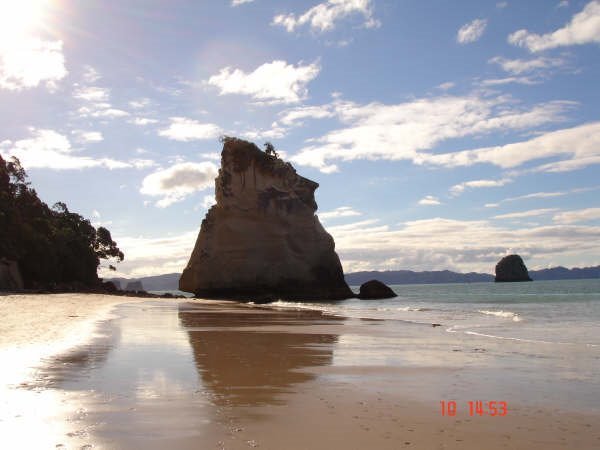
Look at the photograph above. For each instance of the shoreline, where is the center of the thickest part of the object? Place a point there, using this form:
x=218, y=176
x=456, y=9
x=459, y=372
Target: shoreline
x=296, y=385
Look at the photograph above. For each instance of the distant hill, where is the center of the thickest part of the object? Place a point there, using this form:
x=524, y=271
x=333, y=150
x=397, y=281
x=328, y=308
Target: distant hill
x=562, y=273
x=167, y=282
x=170, y=281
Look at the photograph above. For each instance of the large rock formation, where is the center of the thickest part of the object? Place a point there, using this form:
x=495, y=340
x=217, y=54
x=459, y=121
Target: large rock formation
x=511, y=268
x=375, y=289
x=262, y=240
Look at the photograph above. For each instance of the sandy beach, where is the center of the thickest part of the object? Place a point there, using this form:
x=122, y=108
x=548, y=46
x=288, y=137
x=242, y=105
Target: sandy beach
x=199, y=374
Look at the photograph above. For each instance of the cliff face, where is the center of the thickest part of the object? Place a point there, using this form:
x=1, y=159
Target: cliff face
x=262, y=240
x=511, y=268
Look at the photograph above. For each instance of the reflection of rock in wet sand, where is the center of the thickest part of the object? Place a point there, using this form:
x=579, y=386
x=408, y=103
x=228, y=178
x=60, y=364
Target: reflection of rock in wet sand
x=251, y=367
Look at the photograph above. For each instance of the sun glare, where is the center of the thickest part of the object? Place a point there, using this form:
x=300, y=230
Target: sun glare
x=19, y=19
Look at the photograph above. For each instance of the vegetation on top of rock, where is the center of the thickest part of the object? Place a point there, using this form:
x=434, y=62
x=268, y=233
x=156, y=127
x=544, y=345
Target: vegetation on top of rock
x=53, y=246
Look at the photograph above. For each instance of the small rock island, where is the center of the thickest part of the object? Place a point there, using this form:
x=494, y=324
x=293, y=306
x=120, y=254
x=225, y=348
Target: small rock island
x=374, y=289
x=511, y=268
x=262, y=240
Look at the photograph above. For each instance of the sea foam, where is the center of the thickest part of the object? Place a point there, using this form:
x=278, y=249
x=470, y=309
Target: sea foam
x=505, y=314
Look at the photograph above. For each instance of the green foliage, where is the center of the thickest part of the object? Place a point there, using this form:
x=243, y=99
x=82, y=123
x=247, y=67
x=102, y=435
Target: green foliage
x=270, y=150
x=51, y=245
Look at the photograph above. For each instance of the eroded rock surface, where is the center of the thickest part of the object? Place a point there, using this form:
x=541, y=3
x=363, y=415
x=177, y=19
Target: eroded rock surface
x=262, y=240
x=511, y=268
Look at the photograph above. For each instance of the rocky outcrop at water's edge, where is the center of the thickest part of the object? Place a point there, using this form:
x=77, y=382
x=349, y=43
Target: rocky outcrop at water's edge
x=511, y=268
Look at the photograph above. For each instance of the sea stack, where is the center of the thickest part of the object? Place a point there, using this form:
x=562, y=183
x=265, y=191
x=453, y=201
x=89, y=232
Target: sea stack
x=511, y=268
x=262, y=240
x=375, y=289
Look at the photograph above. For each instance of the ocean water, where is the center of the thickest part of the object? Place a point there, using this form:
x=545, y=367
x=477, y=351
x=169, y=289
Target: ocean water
x=565, y=312
x=532, y=344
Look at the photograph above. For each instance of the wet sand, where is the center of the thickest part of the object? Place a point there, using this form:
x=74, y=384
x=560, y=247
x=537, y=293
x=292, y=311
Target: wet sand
x=221, y=375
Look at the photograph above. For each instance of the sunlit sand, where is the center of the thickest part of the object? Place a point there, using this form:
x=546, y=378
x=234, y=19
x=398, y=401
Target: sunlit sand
x=88, y=370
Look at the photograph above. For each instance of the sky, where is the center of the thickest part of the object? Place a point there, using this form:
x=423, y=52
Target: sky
x=444, y=135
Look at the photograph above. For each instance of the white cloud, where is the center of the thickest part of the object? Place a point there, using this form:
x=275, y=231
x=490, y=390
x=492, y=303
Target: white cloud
x=469, y=245
x=240, y=2
x=90, y=74
x=508, y=80
x=584, y=28
x=563, y=4
x=342, y=211
x=208, y=201
x=580, y=215
x=142, y=121
x=274, y=82
x=28, y=62
x=101, y=110
x=88, y=136
x=179, y=181
x=145, y=256
x=212, y=155
x=501, y=5
x=521, y=214
x=92, y=94
x=428, y=244
x=52, y=150
x=429, y=200
x=569, y=165
x=542, y=195
x=525, y=71
x=184, y=129
x=404, y=131
x=323, y=17
x=534, y=195
x=471, y=32
x=458, y=189
x=139, y=163
x=275, y=132
x=519, y=66
x=581, y=144
x=96, y=103
x=140, y=103
x=446, y=86
x=294, y=116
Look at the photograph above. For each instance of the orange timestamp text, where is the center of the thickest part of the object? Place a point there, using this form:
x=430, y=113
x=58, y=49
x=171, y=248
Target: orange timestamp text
x=490, y=408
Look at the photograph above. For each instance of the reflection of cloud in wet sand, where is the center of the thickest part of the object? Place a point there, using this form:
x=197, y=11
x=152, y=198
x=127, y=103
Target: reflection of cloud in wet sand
x=250, y=367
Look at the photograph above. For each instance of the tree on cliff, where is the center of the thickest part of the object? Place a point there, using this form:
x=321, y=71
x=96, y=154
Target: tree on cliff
x=51, y=245
x=270, y=150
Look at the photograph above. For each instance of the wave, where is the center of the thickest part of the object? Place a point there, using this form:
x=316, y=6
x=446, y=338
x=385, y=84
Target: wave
x=325, y=309
x=504, y=314
x=355, y=311
x=533, y=341
x=404, y=309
